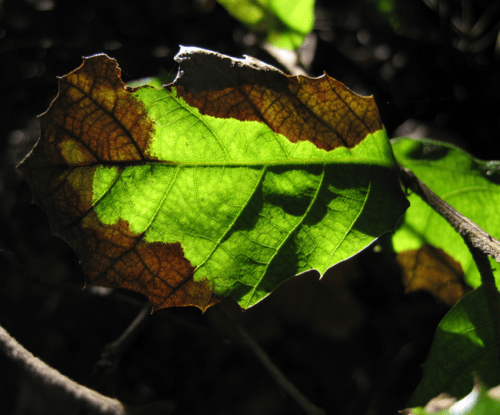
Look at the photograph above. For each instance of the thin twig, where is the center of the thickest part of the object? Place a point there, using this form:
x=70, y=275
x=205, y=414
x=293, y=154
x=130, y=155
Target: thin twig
x=273, y=370
x=479, y=242
x=120, y=346
x=113, y=352
x=51, y=378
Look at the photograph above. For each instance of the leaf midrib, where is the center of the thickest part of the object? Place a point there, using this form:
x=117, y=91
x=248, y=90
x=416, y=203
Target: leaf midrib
x=270, y=163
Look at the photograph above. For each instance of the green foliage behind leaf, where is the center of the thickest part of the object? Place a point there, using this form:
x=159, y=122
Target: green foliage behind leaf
x=284, y=23
x=471, y=186
x=479, y=402
x=387, y=10
x=464, y=344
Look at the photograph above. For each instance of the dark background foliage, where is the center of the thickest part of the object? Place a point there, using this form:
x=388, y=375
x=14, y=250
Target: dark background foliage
x=353, y=342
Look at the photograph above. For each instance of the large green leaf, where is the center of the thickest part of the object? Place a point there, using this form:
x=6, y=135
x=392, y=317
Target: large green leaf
x=229, y=181
x=286, y=23
x=471, y=186
x=465, y=343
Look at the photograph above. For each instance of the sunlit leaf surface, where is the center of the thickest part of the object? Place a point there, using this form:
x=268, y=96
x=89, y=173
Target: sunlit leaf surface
x=228, y=181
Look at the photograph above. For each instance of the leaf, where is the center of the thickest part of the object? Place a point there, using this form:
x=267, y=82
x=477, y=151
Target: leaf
x=471, y=186
x=479, y=402
x=465, y=342
x=433, y=270
x=286, y=23
x=387, y=9
x=228, y=181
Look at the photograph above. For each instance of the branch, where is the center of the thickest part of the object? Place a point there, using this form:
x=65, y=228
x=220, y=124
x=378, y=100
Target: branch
x=490, y=289
x=479, y=242
x=54, y=380
x=273, y=370
x=473, y=235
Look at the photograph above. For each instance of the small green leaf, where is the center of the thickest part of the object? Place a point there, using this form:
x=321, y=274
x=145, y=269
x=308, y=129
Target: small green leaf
x=479, y=402
x=286, y=23
x=388, y=11
x=464, y=343
x=469, y=185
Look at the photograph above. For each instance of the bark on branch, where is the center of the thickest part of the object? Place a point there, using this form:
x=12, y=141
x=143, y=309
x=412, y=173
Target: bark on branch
x=48, y=377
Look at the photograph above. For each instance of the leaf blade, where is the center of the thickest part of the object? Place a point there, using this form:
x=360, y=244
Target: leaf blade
x=465, y=342
x=197, y=207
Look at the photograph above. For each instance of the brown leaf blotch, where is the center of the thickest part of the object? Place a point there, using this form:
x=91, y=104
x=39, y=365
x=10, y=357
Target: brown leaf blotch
x=433, y=270
x=320, y=110
x=114, y=256
x=95, y=121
